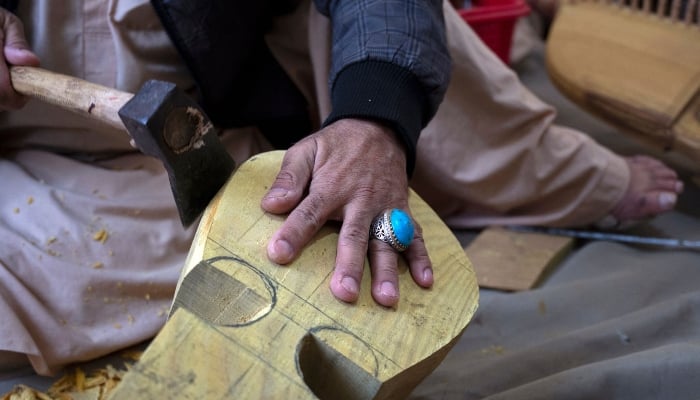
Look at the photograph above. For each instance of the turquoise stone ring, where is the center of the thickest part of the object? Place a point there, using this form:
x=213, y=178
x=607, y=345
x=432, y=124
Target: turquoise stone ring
x=393, y=227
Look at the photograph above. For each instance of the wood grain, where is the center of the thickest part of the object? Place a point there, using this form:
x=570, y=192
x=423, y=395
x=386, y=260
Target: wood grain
x=94, y=101
x=638, y=70
x=243, y=327
x=508, y=260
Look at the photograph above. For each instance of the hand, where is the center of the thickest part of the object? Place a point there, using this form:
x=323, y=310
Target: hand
x=350, y=171
x=15, y=51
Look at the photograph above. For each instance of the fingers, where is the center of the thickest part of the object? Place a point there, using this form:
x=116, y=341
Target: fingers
x=419, y=260
x=285, y=195
x=15, y=52
x=291, y=182
x=15, y=47
x=353, y=243
x=350, y=171
x=297, y=230
x=350, y=258
x=384, y=260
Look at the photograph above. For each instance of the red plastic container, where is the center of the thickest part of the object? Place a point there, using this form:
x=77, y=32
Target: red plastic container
x=494, y=21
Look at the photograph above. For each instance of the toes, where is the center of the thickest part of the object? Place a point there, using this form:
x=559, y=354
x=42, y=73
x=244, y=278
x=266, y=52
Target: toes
x=653, y=203
x=653, y=189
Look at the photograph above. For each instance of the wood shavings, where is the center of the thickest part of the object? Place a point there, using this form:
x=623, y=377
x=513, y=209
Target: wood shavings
x=21, y=392
x=51, y=240
x=75, y=385
x=30, y=200
x=16, y=210
x=133, y=355
x=97, y=265
x=100, y=236
x=493, y=349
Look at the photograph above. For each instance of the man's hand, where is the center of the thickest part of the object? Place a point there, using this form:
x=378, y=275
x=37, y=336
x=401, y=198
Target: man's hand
x=350, y=171
x=15, y=51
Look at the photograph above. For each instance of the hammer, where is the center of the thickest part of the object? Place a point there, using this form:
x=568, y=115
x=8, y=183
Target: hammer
x=162, y=121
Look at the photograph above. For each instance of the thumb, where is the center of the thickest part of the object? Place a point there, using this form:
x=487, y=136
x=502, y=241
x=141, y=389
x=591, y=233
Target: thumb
x=15, y=46
x=292, y=179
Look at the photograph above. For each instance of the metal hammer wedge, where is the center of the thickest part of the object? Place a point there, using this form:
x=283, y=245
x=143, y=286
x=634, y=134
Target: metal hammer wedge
x=163, y=122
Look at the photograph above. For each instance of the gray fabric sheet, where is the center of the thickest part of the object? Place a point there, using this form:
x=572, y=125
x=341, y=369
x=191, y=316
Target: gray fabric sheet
x=613, y=321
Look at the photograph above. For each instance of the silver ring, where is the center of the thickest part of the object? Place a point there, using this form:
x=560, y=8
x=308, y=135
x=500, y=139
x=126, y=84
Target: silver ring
x=394, y=227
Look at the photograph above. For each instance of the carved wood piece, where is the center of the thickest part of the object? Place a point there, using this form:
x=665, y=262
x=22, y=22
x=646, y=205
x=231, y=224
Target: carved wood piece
x=243, y=327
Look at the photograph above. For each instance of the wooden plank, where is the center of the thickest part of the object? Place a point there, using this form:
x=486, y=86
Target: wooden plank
x=508, y=260
x=242, y=327
x=635, y=69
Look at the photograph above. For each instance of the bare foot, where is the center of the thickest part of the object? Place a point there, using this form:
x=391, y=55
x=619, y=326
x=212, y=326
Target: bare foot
x=653, y=189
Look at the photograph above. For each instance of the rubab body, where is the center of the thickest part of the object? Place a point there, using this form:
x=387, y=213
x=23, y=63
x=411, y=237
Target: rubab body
x=244, y=328
x=635, y=64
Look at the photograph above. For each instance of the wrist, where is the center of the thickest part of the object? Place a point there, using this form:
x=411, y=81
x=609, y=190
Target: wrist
x=384, y=93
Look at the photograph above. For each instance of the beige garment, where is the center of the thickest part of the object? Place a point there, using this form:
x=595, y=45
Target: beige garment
x=90, y=245
x=490, y=155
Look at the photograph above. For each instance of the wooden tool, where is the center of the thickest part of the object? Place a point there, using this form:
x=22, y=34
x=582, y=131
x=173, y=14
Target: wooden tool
x=162, y=121
x=634, y=64
x=242, y=327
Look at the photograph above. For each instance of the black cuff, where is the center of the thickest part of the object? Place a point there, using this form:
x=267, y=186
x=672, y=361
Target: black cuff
x=384, y=92
x=10, y=5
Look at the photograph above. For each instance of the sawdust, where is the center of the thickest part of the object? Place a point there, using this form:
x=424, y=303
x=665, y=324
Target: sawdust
x=77, y=385
x=100, y=236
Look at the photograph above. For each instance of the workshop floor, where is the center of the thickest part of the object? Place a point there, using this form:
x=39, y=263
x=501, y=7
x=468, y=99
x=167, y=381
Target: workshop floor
x=611, y=321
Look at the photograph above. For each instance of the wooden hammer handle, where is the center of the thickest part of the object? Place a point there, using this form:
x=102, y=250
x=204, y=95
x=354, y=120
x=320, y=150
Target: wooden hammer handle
x=94, y=101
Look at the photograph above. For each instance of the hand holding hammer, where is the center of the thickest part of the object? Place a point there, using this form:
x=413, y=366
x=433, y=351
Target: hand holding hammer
x=162, y=121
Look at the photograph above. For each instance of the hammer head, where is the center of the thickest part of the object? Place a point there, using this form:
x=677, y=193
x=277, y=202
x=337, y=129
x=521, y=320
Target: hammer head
x=166, y=123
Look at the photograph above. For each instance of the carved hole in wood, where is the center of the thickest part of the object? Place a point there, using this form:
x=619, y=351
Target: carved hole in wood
x=331, y=375
x=227, y=291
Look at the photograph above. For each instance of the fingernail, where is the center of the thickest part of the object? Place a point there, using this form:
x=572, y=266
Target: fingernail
x=679, y=187
x=428, y=275
x=276, y=192
x=19, y=50
x=281, y=251
x=667, y=200
x=388, y=289
x=350, y=284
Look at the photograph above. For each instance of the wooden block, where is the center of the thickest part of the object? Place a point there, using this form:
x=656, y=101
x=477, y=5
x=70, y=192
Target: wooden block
x=245, y=328
x=637, y=70
x=508, y=260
